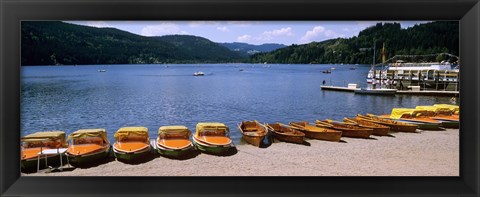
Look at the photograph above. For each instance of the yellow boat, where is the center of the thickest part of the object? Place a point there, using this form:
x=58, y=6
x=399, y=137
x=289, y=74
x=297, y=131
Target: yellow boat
x=253, y=132
x=131, y=143
x=87, y=145
x=413, y=116
x=318, y=133
x=394, y=125
x=34, y=143
x=174, y=141
x=212, y=137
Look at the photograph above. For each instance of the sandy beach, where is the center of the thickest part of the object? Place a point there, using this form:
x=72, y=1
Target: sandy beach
x=426, y=153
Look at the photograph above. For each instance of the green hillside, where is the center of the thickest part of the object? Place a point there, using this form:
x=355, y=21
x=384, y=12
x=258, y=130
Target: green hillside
x=57, y=43
x=430, y=38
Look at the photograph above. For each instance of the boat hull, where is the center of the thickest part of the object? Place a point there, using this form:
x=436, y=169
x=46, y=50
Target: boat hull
x=450, y=124
x=289, y=138
x=131, y=156
x=285, y=133
x=77, y=160
x=31, y=164
x=212, y=149
x=175, y=153
x=378, y=130
x=356, y=133
x=252, y=132
x=422, y=125
x=393, y=126
x=327, y=136
x=254, y=140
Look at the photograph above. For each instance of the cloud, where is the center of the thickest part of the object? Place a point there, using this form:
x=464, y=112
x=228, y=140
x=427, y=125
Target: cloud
x=98, y=24
x=318, y=33
x=162, y=29
x=244, y=38
x=223, y=29
x=270, y=35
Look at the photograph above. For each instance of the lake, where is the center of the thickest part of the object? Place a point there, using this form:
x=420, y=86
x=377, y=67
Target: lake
x=69, y=98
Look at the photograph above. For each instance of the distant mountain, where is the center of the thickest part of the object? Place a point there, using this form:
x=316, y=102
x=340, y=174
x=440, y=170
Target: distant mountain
x=56, y=43
x=422, y=39
x=250, y=49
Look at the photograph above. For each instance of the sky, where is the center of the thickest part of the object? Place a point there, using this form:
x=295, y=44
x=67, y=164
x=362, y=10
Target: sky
x=252, y=32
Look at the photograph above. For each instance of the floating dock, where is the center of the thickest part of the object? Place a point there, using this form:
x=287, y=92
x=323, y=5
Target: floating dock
x=404, y=92
x=338, y=88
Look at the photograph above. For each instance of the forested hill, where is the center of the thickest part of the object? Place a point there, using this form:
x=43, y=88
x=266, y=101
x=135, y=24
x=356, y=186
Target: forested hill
x=429, y=38
x=250, y=49
x=57, y=43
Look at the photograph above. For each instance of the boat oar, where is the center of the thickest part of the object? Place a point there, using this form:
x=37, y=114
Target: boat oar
x=323, y=124
x=295, y=126
x=269, y=127
x=350, y=121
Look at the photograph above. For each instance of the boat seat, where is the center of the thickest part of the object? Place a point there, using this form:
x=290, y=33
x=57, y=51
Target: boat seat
x=130, y=146
x=175, y=143
x=216, y=140
x=83, y=149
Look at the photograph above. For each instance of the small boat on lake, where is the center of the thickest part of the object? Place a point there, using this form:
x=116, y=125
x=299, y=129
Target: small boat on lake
x=317, y=132
x=378, y=129
x=327, y=71
x=253, y=132
x=35, y=143
x=348, y=130
x=102, y=71
x=174, y=141
x=198, y=74
x=87, y=145
x=212, y=137
x=131, y=143
x=286, y=133
x=394, y=125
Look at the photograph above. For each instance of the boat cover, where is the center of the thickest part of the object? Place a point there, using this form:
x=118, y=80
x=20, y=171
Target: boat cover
x=126, y=131
x=454, y=108
x=82, y=133
x=202, y=126
x=398, y=112
x=435, y=109
x=173, y=129
x=45, y=135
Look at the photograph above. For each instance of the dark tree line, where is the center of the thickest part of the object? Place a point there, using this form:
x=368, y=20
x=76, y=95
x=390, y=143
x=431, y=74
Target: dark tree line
x=57, y=43
x=430, y=38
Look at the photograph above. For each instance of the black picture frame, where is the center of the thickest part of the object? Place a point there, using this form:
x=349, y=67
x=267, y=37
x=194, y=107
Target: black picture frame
x=12, y=12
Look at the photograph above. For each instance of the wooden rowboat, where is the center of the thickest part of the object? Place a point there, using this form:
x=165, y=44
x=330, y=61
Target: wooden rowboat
x=132, y=143
x=348, y=130
x=394, y=125
x=87, y=145
x=253, y=132
x=378, y=129
x=317, y=132
x=285, y=133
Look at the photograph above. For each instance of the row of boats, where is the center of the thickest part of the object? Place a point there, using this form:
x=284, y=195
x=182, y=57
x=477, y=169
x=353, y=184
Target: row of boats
x=132, y=143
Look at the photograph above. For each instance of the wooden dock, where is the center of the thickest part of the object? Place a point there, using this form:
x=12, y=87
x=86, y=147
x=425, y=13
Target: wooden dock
x=338, y=88
x=403, y=92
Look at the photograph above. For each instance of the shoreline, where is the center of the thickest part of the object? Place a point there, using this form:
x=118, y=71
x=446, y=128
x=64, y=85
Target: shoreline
x=426, y=153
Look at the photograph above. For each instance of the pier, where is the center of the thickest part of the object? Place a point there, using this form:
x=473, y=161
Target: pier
x=403, y=92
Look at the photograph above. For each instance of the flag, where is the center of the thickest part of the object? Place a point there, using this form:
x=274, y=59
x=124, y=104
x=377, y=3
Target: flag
x=383, y=53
